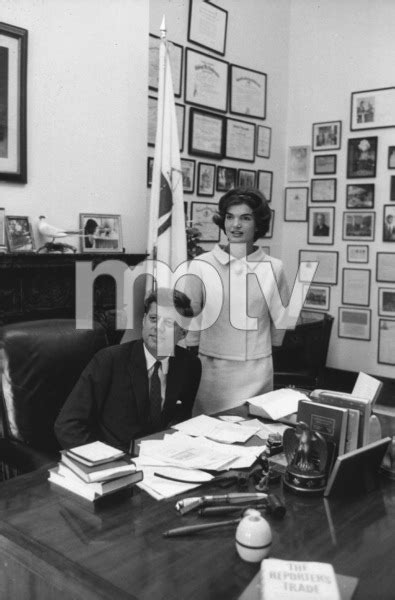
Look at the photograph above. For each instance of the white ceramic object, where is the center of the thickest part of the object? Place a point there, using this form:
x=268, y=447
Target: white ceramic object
x=253, y=537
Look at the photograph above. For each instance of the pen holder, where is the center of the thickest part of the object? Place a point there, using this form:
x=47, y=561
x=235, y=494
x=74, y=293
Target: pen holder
x=253, y=537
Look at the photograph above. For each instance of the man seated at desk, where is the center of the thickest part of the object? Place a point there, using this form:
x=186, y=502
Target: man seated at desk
x=128, y=391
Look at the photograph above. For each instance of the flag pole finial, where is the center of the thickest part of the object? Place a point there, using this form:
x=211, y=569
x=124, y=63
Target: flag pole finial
x=163, y=27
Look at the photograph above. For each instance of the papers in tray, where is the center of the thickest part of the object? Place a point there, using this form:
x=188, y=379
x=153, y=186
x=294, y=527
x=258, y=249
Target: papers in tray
x=216, y=429
x=276, y=405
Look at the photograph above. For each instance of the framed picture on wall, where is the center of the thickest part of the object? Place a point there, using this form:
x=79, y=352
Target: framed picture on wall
x=153, y=117
x=205, y=179
x=240, y=140
x=327, y=265
x=176, y=59
x=389, y=223
x=362, y=157
x=391, y=157
x=357, y=253
x=327, y=136
x=295, y=208
x=385, y=267
x=246, y=178
x=386, y=302
x=373, y=109
x=298, y=163
x=360, y=195
x=150, y=166
x=247, y=92
x=206, y=133
x=321, y=225
x=263, y=141
x=386, y=345
x=325, y=164
x=317, y=297
x=323, y=190
x=207, y=25
x=19, y=234
x=102, y=233
x=226, y=178
x=358, y=225
x=356, y=287
x=265, y=184
x=206, y=81
x=202, y=218
x=188, y=175
x=355, y=323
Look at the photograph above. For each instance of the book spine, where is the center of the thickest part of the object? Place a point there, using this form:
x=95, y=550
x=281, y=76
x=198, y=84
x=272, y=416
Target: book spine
x=363, y=408
x=352, y=430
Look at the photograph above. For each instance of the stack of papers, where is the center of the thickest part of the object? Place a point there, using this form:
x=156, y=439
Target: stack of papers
x=276, y=405
x=218, y=430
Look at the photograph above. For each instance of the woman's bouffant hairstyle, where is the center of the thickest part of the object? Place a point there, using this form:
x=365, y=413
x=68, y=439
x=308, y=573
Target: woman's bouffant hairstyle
x=254, y=199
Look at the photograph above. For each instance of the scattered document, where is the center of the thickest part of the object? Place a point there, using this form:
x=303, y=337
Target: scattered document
x=157, y=487
x=265, y=429
x=276, y=405
x=214, y=429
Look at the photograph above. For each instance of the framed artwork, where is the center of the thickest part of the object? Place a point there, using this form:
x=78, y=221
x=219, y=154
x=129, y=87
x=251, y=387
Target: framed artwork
x=19, y=234
x=13, y=94
x=317, y=297
x=360, y=195
x=321, y=225
x=3, y=241
x=327, y=136
x=354, y=323
x=150, y=166
x=226, y=178
x=327, y=265
x=391, y=157
x=176, y=58
x=265, y=184
x=205, y=179
x=356, y=287
x=206, y=133
x=325, y=164
x=102, y=233
x=389, y=223
x=188, y=175
x=385, y=267
x=263, y=141
x=386, y=345
x=362, y=157
x=247, y=92
x=240, y=140
x=295, y=208
x=246, y=178
x=153, y=119
x=373, y=109
x=323, y=190
x=392, y=189
x=202, y=218
x=269, y=233
x=357, y=253
x=359, y=225
x=207, y=25
x=298, y=163
x=386, y=302
x=206, y=81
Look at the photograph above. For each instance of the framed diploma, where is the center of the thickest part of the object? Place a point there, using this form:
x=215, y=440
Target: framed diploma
x=206, y=133
x=206, y=81
x=263, y=141
x=153, y=118
x=323, y=189
x=296, y=203
x=176, y=58
x=265, y=184
x=207, y=25
x=385, y=267
x=356, y=287
x=327, y=265
x=240, y=140
x=247, y=92
x=202, y=218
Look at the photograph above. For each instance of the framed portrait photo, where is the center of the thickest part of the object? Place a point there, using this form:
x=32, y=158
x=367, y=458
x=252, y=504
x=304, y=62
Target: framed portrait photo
x=358, y=225
x=354, y=323
x=240, y=140
x=19, y=234
x=386, y=345
x=188, y=175
x=150, y=166
x=323, y=190
x=226, y=178
x=205, y=179
x=207, y=25
x=299, y=163
x=247, y=92
x=373, y=109
x=295, y=208
x=325, y=164
x=153, y=119
x=246, y=178
x=391, y=157
x=357, y=253
x=206, y=133
x=385, y=267
x=386, y=302
x=206, y=81
x=360, y=195
x=362, y=157
x=327, y=265
x=317, y=297
x=389, y=223
x=356, y=287
x=265, y=184
x=202, y=218
x=176, y=59
x=327, y=136
x=321, y=223
x=263, y=141
x=101, y=233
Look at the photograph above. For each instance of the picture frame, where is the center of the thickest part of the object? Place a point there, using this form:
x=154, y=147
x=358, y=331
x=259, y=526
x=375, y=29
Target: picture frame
x=246, y=178
x=19, y=234
x=321, y=225
x=317, y=297
x=153, y=118
x=206, y=133
x=269, y=233
x=240, y=140
x=263, y=141
x=386, y=346
x=389, y=223
x=356, y=287
x=3, y=240
x=247, y=92
x=354, y=323
x=391, y=157
x=326, y=136
x=202, y=218
x=102, y=233
x=362, y=157
x=373, y=109
x=226, y=178
x=207, y=25
x=323, y=189
x=360, y=195
x=188, y=166
x=327, y=271
x=357, y=253
x=359, y=225
x=385, y=267
x=13, y=102
x=298, y=163
x=386, y=302
x=295, y=204
x=325, y=164
x=205, y=179
x=150, y=166
x=265, y=183
x=176, y=56
x=206, y=81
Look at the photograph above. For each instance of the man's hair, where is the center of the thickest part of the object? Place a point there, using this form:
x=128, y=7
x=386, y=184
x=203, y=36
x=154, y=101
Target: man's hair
x=168, y=297
x=254, y=199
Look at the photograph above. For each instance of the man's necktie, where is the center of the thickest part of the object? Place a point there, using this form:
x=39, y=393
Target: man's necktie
x=155, y=398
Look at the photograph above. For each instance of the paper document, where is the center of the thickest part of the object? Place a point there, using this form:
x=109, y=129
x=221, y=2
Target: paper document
x=158, y=487
x=214, y=429
x=276, y=405
x=367, y=387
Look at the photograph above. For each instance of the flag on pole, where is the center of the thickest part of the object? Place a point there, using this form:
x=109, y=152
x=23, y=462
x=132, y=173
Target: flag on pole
x=166, y=233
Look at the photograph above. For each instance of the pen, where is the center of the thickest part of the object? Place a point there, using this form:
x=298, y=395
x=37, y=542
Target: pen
x=190, y=529
x=211, y=511
x=189, y=504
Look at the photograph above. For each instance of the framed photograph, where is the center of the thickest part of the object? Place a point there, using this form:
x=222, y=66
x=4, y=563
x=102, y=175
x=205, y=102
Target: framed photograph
x=265, y=184
x=386, y=302
x=373, y=109
x=188, y=175
x=226, y=178
x=356, y=287
x=327, y=136
x=392, y=188
x=391, y=157
x=360, y=195
x=13, y=76
x=202, y=218
x=263, y=141
x=359, y=225
x=206, y=133
x=357, y=253
x=206, y=81
x=205, y=179
x=3, y=241
x=269, y=233
x=153, y=119
x=323, y=190
x=327, y=265
x=354, y=323
x=362, y=157
x=246, y=178
x=176, y=58
x=321, y=225
x=207, y=25
x=389, y=223
x=19, y=234
x=299, y=163
x=317, y=297
x=102, y=233
x=240, y=140
x=150, y=166
x=385, y=267
x=325, y=164
x=247, y=92
x=386, y=345
x=295, y=208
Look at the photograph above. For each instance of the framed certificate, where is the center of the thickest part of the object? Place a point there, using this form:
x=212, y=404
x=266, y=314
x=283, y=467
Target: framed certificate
x=206, y=133
x=265, y=184
x=323, y=189
x=354, y=323
x=202, y=218
x=385, y=267
x=247, y=92
x=386, y=347
x=296, y=203
x=176, y=58
x=207, y=25
x=240, y=140
x=327, y=265
x=206, y=81
x=263, y=141
x=356, y=287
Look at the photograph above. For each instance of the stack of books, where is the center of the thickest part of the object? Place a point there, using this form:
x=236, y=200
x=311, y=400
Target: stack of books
x=95, y=470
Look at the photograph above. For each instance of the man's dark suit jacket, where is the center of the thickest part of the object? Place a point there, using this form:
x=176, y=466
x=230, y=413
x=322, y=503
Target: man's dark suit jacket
x=110, y=401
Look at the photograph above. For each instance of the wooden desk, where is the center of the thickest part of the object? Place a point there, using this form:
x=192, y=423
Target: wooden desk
x=55, y=546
